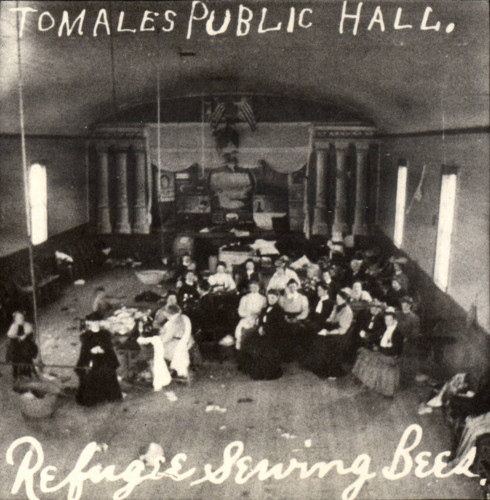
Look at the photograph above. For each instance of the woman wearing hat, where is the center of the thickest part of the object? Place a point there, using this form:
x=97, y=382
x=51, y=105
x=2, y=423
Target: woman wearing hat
x=370, y=325
x=96, y=367
x=379, y=367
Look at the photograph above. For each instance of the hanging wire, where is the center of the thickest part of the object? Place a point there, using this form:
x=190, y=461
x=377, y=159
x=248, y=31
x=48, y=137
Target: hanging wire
x=202, y=136
x=159, y=161
x=27, y=187
x=113, y=65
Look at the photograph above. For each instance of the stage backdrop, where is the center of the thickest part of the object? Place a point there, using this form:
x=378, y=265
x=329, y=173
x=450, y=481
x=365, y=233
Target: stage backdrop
x=283, y=146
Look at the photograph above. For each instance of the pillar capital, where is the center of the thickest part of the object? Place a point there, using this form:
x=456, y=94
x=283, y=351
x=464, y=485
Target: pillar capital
x=362, y=146
x=341, y=146
x=101, y=148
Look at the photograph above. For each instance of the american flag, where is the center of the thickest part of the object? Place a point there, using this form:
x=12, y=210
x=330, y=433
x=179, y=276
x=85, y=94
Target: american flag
x=216, y=115
x=247, y=113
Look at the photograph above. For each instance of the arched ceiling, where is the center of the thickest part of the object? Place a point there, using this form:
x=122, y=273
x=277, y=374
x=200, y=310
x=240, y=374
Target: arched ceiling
x=401, y=80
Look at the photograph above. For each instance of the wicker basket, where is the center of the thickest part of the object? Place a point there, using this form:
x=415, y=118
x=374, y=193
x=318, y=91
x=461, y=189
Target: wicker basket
x=151, y=276
x=37, y=399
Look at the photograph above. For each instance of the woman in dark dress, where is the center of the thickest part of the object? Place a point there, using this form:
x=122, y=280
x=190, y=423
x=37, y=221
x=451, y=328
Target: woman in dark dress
x=96, y=367
x=378, y=368
x=245, y=275
x=326, y=349
x=22, y=348
x=259, y=356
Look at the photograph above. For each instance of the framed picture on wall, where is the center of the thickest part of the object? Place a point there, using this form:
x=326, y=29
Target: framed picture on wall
x=166, y=187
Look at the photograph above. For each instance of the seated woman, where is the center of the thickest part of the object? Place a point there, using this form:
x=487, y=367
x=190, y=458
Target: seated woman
x=183, y=266
x=394, y=294
x=22, y=348
x=359, y=298
x=308, y=286
x=378, y=368
x=323, y=354
x=296, y=309
x=223, y=288
x=221, y=281
x=294, y=304
x=96, y=367
x=399, y=274
x=160, y=318
x=188, y=293
x=250, y=307
x=370, y=325
x=245, y=275
x=180, y=278
x=259, y=355
x=332, y=285
x=324, y=305
x=177, y=339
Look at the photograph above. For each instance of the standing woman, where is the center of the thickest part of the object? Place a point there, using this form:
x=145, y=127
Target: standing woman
x=96, y=367
x=379, y=368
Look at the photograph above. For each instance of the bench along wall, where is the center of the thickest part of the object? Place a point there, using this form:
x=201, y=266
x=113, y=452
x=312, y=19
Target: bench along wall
x=469, y=259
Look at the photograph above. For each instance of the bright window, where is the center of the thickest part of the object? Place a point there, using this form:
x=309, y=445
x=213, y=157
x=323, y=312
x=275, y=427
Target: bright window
x=38, y=202
x=401, y=198
x=445, y=227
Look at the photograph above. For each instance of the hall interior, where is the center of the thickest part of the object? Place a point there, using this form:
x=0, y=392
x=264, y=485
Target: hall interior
x=158, y=143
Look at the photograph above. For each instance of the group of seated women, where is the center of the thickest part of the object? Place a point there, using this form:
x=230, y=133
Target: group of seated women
x=340, y=311
x=322, y=315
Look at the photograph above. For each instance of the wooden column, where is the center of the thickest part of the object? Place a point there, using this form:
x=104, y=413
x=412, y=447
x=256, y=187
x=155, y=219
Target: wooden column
x=103, y=210
x=140, y=225
x=122, y=212
x=360, y=226
x=320, y=225
x=340, y=215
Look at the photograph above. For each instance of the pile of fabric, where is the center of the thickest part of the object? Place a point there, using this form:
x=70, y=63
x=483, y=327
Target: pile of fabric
x=123, y=320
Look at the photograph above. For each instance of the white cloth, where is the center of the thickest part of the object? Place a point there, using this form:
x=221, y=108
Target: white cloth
x=222, y=280
x=161, y=375
x=177, y=340
x=386, y=339
x=243, y=324
x=63, y=257
x=251, y=305
x=13, y=331
x=302, y=262
x=265, y=247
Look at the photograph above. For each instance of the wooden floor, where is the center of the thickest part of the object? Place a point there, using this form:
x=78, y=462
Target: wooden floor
x=298, y=416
